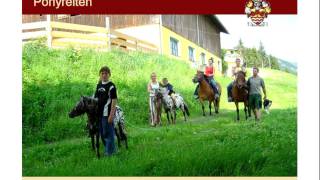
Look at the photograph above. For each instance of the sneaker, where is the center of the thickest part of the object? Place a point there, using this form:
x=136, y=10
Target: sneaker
x=229, y=99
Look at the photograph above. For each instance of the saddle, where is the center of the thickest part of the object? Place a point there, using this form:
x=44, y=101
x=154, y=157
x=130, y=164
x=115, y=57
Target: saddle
x=211, y=85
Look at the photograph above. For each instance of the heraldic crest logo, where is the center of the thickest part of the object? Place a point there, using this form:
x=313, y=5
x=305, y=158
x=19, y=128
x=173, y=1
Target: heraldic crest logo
x=257, y=11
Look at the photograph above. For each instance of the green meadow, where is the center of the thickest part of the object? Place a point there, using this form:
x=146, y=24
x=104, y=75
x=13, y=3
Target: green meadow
x=217, y=145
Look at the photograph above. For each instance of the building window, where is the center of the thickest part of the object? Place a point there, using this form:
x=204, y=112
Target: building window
x=203, y=58
x=191, y=54
x=174, y=46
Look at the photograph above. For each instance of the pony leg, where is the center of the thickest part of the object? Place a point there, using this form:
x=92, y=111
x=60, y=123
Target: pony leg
x=210, y=107
x=245, y=111
x=237, y=105
x=184, y=114
x=92, y=141
x=216, y=106
x=249, y=109
x=174, y=116
x=123, y=135
x=202, y=108
x=118, y=135
x=171, y=115
x=97, y=145
x=168, y=118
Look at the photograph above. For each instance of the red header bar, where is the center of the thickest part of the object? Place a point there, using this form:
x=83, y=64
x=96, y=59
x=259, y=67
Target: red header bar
x=150, y=6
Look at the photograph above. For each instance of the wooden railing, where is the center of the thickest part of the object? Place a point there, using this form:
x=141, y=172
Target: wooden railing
x=131, y=43
x=61, y=34
x=66, y=34
x=34, y=30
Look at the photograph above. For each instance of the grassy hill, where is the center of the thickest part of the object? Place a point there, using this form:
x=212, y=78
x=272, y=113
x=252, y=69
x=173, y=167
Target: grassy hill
x=55, y=145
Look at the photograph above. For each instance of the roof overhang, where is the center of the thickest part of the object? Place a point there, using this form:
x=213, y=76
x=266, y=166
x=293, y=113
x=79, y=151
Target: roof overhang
x=217, y=22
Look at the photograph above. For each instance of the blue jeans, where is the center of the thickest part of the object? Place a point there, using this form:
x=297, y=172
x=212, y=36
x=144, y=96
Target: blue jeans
x=107, y=136
x=212, y=84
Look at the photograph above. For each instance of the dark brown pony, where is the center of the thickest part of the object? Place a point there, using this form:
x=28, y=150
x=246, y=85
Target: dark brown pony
x=206, y=93
x=158, y=107
x=88, y=105
x=240, y=93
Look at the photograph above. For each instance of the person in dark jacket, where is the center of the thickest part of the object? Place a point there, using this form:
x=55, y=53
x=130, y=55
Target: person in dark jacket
x=165, y=83
x=106, y=93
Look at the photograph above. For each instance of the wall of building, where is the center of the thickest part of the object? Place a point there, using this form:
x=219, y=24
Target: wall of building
x=190, y=26
x=149, y=33
x=183, y=47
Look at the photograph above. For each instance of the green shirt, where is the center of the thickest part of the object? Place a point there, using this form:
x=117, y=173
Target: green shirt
x=255, y=84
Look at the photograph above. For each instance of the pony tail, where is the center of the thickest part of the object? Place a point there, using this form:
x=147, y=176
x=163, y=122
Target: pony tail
x=186, y=108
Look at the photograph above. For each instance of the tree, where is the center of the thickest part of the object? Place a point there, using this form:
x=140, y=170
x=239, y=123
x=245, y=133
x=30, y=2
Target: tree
x=263, y=56
x=224, y=63
x=258, y=58
x=274, y=62
x=241, y=49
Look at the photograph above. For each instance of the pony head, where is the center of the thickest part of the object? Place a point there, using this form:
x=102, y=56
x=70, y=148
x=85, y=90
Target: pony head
x=159, y=93
x=85, y=104
x=198, y=77
x=241, y=79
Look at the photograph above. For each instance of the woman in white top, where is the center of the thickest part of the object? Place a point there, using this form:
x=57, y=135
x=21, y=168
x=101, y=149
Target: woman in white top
x=152, y=87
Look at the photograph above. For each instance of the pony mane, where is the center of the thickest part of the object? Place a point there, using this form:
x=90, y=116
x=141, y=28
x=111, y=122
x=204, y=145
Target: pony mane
x=241, y=72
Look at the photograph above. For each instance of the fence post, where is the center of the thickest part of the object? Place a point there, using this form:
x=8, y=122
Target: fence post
x=108, y=33
x=48, y=30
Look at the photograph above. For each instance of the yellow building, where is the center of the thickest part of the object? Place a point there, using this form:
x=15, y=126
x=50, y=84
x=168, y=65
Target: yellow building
x=192, y=38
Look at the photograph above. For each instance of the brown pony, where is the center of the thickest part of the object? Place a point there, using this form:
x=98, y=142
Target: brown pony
x=206, y=93
x=158, y=107
x=240, y=93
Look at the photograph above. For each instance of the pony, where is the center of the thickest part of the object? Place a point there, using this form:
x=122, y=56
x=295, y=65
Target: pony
x=240, y=93
x=206, y=93
x=180, y=104
x=168, y=104
x=88, y=105
x=155, y=109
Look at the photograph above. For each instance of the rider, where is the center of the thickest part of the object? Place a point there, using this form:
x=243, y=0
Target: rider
x=167, y=85
x=235, y=70
x=169, y=88
x=209, y=72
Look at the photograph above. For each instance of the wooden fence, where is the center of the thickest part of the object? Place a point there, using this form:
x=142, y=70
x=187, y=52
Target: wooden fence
x=59, y=34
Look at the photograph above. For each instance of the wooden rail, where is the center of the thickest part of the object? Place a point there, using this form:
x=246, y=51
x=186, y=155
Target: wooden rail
x=60, y=34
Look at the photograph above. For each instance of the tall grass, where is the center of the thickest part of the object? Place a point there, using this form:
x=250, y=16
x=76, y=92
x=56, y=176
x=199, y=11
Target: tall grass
x=53, y=144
